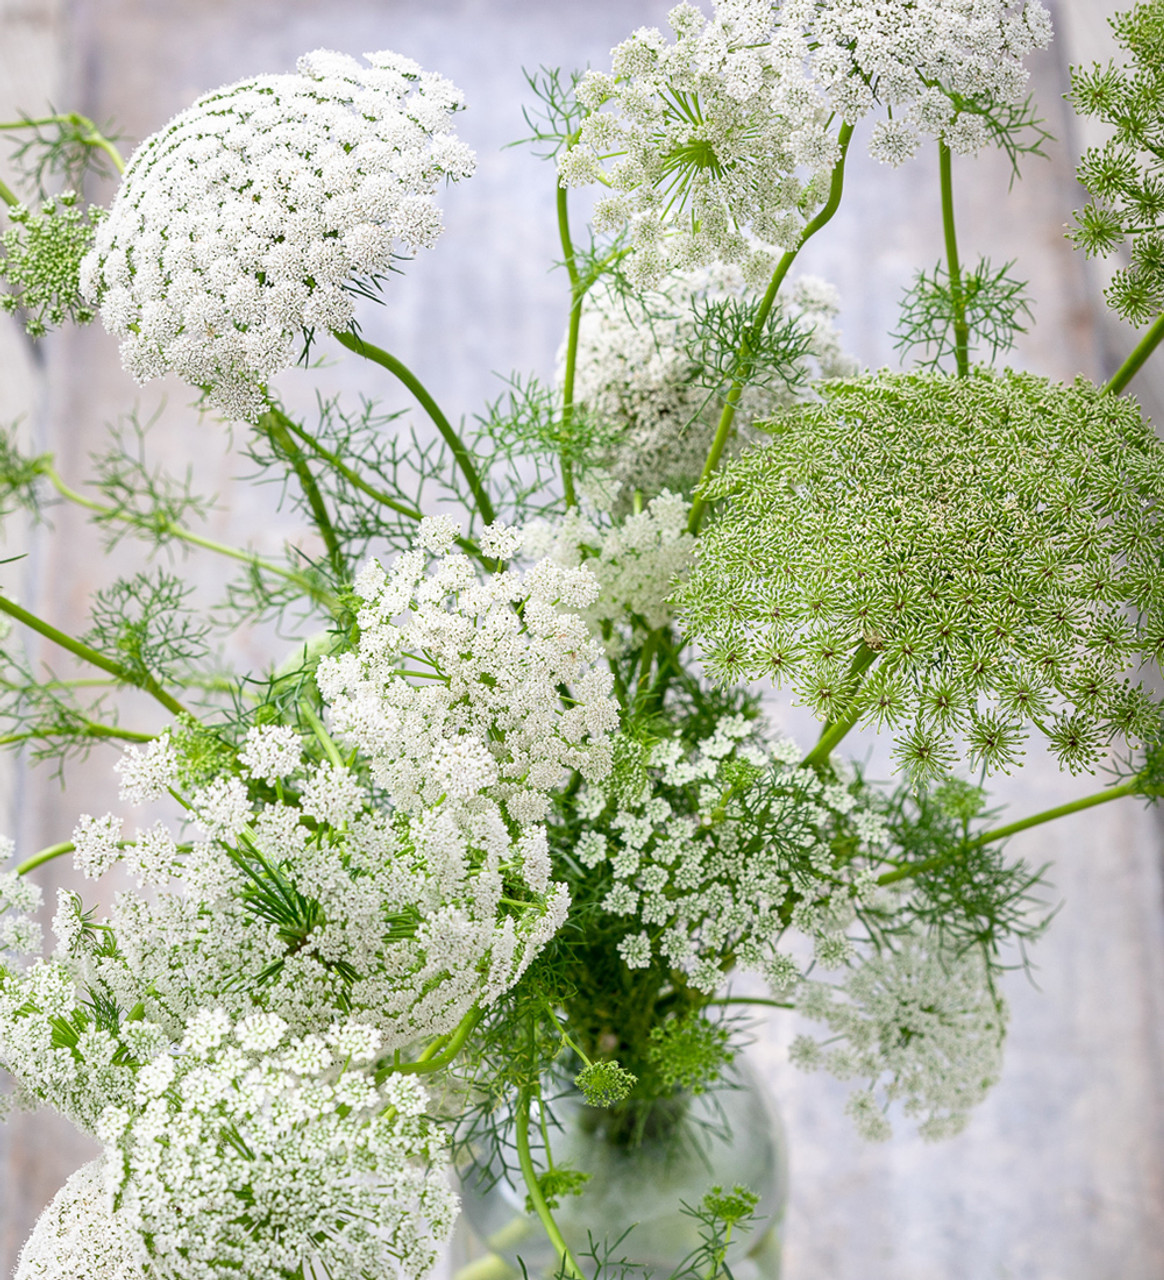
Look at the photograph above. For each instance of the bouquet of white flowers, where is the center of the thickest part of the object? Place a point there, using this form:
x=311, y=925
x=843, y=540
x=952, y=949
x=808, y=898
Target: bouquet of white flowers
x=490, y=840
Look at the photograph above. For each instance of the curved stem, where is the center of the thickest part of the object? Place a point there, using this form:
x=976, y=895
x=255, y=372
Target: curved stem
x=953, y=268
x=576, y=294
x=775, y=1004
x=45, y=855
x=180, y=534
x=452, y=439
x=93, y=138
x=742, y=369
x=8, y=195
x=1131, y=366
x=430, y=1059
x=567, y=1261
x=147, y=684
x=275, y=423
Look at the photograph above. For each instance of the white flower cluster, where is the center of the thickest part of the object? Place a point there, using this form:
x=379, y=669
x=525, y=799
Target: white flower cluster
x=244, y=220
x=636, y=372
x=707, y=134
x=706, y=864
x=934, y=63
x=453, y=693
x=20, y=899
x=921, y=1024
x=723, y=140
x=79, y=1234
x=636, y=562
x=255, y=1153
x=251, y=1152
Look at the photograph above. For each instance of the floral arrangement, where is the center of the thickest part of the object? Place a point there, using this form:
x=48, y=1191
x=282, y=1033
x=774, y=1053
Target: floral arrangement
x=503, y=824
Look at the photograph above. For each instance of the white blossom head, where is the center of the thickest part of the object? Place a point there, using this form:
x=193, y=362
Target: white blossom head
x=250, y=217
x=79, y=1234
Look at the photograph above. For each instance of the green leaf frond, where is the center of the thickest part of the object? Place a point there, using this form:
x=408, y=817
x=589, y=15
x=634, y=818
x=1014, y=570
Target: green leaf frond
x=1125, y=174
x=994, y=540
x=62, y=147
x=724, y=326
x=555, y=115
x=146, y=625
x=996, y=309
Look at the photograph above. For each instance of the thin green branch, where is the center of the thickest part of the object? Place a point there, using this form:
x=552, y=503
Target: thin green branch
x=957, y=294
x=431, y=1060
x=94, y=137
x=276, y=423
x=577, y=292
x=775, y=1004
x=45, y=855
x=1133, y=788
x=89, y=729
x=461, y=454
x=168, y=528
x=1131, y=366
x=567, y=1262
x=742, y=367
x=92, y=656
x=8, y=195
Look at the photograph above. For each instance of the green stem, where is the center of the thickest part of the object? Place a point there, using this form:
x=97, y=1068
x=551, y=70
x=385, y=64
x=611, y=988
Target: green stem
x=576, y=294
x=430, y=1060
x=835, y=730
x=460, y=454
x=148, y=684
x=276, y=423
x=742, y=370
x=1133, y=788
x=92, y=729
x=1144, y=348
x=45, y=855
x=567, y=1262
x=94, y=138
x=775, y=1004
x=169, y=529
x=8, y=196
x=957, y=296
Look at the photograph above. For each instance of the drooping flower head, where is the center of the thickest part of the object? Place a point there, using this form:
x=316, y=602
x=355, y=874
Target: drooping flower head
x=248, y=218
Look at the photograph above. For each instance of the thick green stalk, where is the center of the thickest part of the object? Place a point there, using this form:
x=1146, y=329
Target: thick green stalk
x=568, y=1263
x=92, y=656
x=742, y=368
x=180, y=534
x=1131, y=366
x=833, y=732
x=8, y=195
x=576, y=294
x=461, y=454
x=953, y=267
x=276, y=423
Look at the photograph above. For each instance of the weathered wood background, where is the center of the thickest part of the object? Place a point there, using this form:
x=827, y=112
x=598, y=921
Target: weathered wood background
x=1060, y=1176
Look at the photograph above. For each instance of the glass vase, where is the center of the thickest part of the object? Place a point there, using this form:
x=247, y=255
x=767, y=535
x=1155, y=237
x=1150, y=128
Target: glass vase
x=643, y=1169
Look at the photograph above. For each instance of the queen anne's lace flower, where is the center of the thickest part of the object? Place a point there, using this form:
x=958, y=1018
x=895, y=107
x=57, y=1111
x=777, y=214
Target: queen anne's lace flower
x=719, y=145
x=79, y=1234
x=638, y=372
x=246, y=218
x=919, y=1022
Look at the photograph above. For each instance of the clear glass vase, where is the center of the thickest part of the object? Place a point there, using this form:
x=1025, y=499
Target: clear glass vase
x=633, y=1201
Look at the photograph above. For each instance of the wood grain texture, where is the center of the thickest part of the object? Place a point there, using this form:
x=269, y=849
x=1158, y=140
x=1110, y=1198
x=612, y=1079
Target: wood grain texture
x=1060, y=1176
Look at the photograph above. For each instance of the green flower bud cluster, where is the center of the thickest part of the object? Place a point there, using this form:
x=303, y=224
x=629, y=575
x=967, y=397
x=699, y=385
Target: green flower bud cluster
x=605, y=1083
x=948, y=558
x=40, y=257
x=1125, y=176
